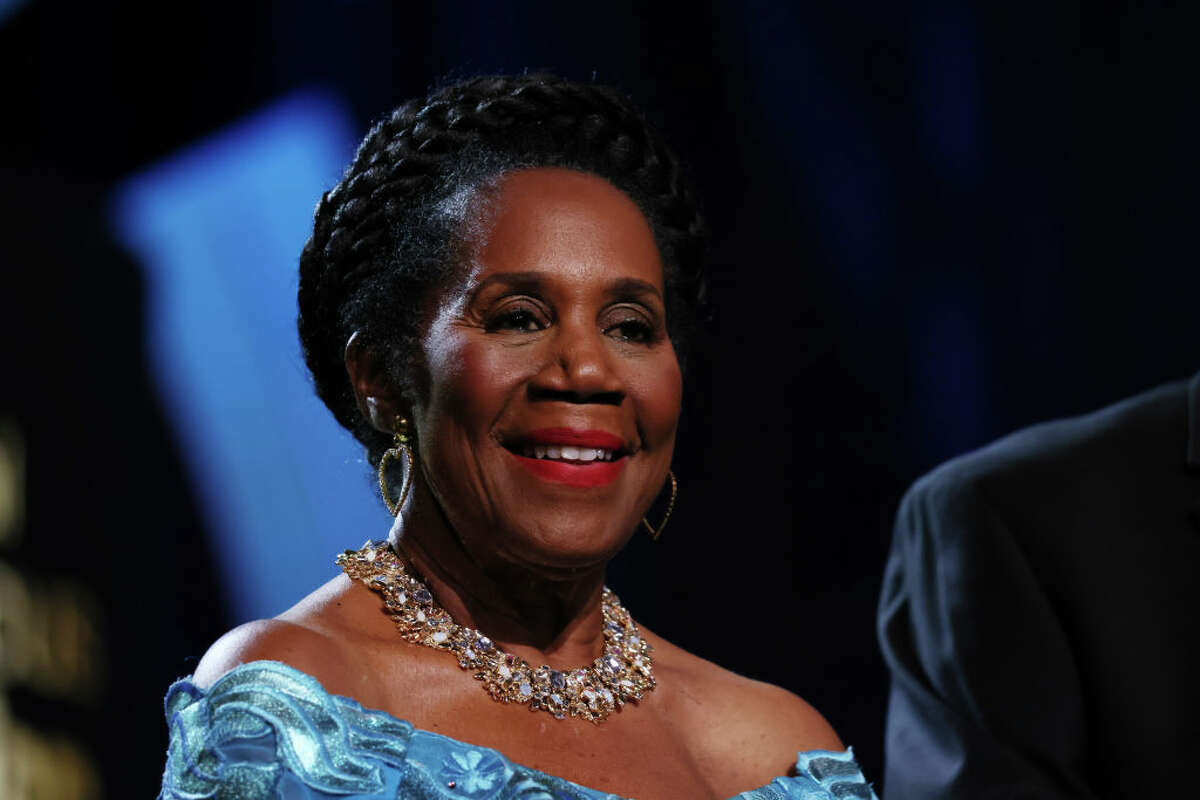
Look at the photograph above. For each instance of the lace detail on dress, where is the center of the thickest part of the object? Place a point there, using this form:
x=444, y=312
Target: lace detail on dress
x=264, y=719
x=266, y=730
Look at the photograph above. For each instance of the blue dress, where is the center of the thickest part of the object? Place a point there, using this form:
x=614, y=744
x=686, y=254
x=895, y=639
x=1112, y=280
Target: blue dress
x=266, y=730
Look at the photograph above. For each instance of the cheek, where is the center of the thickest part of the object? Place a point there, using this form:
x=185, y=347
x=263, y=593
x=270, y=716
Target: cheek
x=658, y=391
x=469, y=383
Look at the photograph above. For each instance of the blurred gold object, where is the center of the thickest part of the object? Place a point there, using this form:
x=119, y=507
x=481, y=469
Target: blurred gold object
x=51, y=638
x=37, y=766
x=12, y=482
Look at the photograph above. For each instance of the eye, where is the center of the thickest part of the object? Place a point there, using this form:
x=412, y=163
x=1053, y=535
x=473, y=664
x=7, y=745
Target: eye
x=518, y=317
x=632, y=329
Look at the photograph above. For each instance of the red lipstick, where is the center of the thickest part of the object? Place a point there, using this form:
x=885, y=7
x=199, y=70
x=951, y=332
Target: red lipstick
x=578, y=438
x=579, y=474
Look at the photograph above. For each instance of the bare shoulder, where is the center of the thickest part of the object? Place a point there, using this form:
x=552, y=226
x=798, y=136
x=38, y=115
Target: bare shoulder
x=299, y=646
x=735, y=720
x=304, y=637
x=771, y=716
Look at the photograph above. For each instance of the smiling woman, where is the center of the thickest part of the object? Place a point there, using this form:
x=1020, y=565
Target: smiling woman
x=495, y=300
x=554, y=336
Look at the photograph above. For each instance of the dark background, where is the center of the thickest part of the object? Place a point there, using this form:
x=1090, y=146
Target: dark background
x=934, y=223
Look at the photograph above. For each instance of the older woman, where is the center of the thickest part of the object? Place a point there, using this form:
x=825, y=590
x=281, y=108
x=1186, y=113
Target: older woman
x=494, y=301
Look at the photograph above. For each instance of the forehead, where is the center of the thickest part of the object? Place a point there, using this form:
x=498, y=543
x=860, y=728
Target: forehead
x=570, y=225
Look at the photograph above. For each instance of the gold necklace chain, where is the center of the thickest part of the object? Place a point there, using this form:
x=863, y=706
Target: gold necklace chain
x=624, y=672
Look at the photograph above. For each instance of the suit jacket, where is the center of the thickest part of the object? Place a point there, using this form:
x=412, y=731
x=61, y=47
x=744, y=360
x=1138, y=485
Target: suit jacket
x=1040, y=612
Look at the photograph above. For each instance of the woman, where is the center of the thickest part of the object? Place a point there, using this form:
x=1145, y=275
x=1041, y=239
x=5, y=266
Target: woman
x=494, y=300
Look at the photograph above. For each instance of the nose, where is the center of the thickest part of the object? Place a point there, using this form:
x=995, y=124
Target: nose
x=579, y=368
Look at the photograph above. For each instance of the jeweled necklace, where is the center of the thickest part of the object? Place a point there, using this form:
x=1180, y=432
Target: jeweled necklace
x=624, y=672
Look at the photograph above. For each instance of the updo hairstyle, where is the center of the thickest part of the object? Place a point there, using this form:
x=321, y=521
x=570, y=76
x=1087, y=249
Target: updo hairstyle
x=382, y=238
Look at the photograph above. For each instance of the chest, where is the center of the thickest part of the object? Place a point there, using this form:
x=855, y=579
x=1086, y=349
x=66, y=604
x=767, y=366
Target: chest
x=647, y=765
x=638, y=752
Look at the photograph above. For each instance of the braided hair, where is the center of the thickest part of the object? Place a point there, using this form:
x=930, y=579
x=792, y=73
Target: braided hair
x=382, y=240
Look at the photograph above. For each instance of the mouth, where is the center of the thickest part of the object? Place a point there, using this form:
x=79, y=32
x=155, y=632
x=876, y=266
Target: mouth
x=579, y=458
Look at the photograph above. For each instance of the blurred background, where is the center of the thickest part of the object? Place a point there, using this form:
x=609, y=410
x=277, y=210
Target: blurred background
x=934, y=223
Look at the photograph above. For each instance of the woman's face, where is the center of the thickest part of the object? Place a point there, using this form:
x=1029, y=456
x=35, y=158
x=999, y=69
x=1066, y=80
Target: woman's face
x=547, y=415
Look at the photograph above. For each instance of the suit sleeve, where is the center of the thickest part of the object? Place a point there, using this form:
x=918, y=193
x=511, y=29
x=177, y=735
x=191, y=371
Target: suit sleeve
x=985, y=698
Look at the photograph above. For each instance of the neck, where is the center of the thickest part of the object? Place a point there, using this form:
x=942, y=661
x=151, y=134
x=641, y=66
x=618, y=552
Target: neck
x=550, y=617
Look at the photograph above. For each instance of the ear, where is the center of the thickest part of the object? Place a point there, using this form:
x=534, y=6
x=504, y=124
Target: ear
x=377, y=398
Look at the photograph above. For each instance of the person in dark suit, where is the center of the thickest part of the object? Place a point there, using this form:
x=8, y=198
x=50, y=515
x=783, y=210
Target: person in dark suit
x=1040, y=612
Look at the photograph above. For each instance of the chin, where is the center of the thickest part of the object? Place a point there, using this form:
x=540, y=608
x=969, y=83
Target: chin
x=563, y=549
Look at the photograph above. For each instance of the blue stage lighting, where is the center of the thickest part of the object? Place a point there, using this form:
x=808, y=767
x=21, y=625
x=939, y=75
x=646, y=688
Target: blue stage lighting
x=9, y=7
x=218, y=229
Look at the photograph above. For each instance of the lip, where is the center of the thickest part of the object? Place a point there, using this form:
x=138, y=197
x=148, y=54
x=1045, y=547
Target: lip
x=578, y=475
x=580, y=438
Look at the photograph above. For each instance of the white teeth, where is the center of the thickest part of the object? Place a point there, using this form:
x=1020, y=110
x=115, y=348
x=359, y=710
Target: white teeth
x=567, y=453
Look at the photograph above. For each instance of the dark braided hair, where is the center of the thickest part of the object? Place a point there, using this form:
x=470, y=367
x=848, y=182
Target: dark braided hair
x=382, y=238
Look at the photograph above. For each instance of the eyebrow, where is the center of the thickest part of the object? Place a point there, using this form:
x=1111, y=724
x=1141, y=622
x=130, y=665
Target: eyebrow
x=531, y=279
x=628, y=286
x=515, y=280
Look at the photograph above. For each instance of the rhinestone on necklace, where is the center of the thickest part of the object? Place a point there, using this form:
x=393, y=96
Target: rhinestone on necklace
x=624, y=671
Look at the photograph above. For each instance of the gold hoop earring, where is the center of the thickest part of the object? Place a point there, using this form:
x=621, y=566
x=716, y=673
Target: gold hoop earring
x=400, y=446
x=656, y=532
